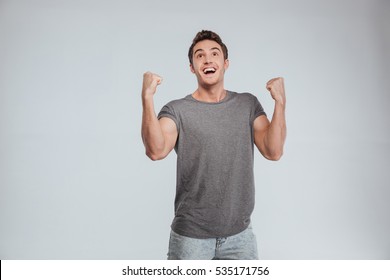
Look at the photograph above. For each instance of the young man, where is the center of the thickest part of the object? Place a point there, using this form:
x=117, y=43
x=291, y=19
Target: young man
x=213, y=131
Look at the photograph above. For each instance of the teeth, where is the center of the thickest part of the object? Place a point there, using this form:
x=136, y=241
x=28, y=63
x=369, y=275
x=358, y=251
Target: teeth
x=209, y=70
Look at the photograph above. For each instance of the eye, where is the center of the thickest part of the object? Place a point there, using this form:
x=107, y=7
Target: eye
x=200, y=55
x=215, y=54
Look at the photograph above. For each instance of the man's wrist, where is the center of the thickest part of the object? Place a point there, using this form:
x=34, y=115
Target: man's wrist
x=280, y=102
x=147, y=96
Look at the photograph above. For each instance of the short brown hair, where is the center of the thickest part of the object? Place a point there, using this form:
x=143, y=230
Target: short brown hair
x=207, y=35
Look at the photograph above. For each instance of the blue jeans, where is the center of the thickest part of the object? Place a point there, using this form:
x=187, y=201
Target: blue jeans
x=242, y=246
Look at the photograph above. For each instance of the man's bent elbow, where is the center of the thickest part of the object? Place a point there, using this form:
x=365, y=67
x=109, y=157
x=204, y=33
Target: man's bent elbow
x=274, y=156
x=155, y=156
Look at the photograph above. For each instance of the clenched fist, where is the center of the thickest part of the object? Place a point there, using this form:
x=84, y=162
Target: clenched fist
x=150, y=83
x=276, y=88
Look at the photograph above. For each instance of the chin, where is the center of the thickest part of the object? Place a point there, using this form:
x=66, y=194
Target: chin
x=211, y=81
x=208, y=84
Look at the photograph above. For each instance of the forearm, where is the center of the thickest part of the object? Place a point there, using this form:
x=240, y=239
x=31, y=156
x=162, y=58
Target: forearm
x=276, y=133
x=152, y=135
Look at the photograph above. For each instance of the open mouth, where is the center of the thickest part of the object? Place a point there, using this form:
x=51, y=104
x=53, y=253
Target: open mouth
x=209, y=70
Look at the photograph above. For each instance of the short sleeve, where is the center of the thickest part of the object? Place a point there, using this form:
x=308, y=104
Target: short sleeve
x=258, y=109
x=169, y=112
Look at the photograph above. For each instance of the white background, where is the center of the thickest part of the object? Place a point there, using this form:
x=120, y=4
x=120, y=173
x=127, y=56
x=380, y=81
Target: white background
x=74, y=180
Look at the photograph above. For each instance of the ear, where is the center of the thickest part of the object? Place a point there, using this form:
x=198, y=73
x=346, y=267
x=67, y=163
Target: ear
x=226, y=64
x=192, y=68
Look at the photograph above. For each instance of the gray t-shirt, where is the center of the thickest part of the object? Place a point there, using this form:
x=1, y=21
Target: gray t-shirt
x=215, y=183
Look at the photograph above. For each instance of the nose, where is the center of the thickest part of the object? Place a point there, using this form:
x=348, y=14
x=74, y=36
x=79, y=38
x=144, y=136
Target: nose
x=207, y=59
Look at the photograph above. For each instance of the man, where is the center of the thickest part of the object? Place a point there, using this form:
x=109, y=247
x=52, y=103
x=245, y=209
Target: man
x=213, y=131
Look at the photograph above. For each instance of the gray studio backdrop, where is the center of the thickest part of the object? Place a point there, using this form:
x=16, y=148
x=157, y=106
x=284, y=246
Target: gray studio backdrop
x=75, y=182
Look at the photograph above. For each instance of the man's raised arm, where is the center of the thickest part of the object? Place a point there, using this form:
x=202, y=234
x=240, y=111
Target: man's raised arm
x=270, y=136
x=159, y=136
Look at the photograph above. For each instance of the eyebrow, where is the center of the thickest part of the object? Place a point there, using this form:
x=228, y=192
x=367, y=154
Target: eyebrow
x=214, y=48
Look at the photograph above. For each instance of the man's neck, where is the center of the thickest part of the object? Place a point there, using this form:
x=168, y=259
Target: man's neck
x=212, y=94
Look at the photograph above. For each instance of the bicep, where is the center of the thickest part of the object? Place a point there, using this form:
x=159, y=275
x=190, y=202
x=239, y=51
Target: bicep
x=169, y=130
x=260, y=127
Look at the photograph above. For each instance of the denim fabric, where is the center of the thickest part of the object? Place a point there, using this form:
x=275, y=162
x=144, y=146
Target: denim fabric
x=242, y=246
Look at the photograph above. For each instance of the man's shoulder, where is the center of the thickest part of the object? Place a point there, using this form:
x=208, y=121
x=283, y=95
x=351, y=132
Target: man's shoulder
x=179, y=101
x=175, y=106
x=243, y=95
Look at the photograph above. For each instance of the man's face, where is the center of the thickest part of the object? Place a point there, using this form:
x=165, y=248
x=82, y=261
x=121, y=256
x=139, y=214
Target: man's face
x=208, y=63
